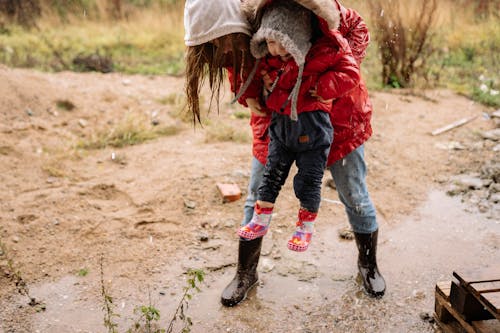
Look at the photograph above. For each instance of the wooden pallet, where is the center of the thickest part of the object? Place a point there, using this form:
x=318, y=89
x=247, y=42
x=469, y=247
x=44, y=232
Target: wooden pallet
x=469, y=304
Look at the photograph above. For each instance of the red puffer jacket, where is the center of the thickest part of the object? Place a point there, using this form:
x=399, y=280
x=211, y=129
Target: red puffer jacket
x=351, y=114
x=328, y=67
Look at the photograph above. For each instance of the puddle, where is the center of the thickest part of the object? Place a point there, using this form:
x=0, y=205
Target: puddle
x=316, y=291
x=67, y=307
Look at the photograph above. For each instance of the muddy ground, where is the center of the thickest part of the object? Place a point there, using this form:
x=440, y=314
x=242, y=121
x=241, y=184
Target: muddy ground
x=152, y=211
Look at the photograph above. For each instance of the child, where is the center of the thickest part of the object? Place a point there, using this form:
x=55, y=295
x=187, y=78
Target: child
x=309, y=68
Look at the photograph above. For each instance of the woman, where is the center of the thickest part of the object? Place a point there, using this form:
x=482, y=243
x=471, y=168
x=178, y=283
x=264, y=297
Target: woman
x=217, y=38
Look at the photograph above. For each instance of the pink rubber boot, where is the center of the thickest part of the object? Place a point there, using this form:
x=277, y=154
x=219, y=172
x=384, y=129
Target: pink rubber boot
x=301, y=238
x=258, y=225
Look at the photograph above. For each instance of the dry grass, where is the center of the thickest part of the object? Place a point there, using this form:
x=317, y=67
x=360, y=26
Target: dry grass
x=222, y=132
x=149, y=40
x=402, y=31
x=132, y=130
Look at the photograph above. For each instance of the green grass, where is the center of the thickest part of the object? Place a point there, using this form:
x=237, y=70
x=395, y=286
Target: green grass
x=470, y=65
x=83, y=272
x=150, y=43
x=65, y=105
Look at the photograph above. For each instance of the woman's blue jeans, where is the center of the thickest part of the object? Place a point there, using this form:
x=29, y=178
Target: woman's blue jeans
x=349, y=175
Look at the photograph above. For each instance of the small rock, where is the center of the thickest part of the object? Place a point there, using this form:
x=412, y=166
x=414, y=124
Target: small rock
x=346, y=234
x=331, y=184
x=267, y=244
x=162, y=293
x=51, y=180
x=189, y=204
x=492, y=135
x=468, y=182
x=203, y=237
x=82, y=123
x=494, y=188
x=425, y=316
x=452, y=145
x=495, y=198
x=418, y=294
x=267, y=265
x=483, y=206
x=15, y=239
x=230, y=223
x=29, y=112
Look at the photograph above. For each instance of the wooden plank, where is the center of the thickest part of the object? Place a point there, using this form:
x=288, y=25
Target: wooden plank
x=486, y=287
x=487, y=326
x=466, y=304
x=466, y=327
x=451, y=327
x=489, y=297
x=483, y=274
x=442, y=314
x=443, y=287
x=492, y=301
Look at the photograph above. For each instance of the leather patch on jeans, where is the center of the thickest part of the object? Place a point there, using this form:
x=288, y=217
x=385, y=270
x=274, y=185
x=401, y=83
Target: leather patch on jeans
x=304, y=139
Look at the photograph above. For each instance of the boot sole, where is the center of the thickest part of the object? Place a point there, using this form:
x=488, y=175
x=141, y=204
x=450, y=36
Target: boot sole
x=297, y=248
x=251, y=235
x=230, y=303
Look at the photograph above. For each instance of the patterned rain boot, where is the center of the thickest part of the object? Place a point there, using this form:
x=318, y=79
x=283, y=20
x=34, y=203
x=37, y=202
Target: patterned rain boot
x=258, y=226
x=302, y=236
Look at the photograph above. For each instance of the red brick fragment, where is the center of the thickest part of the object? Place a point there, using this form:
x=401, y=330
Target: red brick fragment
x=229, y=192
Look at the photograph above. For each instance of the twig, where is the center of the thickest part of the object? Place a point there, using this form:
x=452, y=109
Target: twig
x=15, y=275
x=108, y=303
x=337, y=202
x=453, y=125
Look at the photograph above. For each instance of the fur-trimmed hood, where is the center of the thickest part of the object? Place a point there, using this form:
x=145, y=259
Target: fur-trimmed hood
x=325, y=10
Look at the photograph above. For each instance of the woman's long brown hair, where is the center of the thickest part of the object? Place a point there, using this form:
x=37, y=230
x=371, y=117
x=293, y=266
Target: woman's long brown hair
x=208, y=60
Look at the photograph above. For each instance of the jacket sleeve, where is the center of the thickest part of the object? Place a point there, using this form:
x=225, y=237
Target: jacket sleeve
x=354, y=29
x=253, y=91
x=342, y=75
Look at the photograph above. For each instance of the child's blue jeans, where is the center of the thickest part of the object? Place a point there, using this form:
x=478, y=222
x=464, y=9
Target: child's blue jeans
x=349, y=175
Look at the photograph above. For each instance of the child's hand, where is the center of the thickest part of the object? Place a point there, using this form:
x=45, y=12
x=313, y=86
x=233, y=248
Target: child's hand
x=314, y=93
x=254, y=107
x=267, y=83
x=266, y=80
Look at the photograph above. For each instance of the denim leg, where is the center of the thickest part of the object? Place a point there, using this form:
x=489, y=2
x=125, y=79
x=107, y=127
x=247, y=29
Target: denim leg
x=256, y=175
x=349, y=175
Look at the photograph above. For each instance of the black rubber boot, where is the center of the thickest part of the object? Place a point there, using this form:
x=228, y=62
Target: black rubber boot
x=246, y=274
x=373, y=281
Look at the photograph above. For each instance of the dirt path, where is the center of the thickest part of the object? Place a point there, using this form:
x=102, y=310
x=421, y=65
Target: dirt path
x=62, y=208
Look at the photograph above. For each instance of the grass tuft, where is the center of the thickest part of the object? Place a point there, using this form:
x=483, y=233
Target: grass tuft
x=220, y=132
x=66, y=105
x=130, y=131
